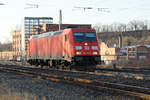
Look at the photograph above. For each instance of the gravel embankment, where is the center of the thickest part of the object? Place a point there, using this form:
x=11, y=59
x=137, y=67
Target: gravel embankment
x=19, y=87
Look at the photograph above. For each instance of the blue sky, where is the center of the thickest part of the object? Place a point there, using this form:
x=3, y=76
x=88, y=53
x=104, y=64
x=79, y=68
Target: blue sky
x=120, y=11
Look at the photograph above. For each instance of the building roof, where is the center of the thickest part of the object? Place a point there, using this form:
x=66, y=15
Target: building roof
x=38, y=18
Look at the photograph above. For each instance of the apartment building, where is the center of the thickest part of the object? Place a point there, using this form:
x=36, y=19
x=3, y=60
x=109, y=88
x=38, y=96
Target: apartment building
x=32, y=26
x=16, y=43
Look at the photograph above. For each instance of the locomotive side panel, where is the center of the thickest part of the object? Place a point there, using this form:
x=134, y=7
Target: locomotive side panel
x=67, y=45
x=53, y=47
x=34, y=49
x=46, y=48
x=39, y=42
x=59, y=44
x=49, y=43
x=41, y=48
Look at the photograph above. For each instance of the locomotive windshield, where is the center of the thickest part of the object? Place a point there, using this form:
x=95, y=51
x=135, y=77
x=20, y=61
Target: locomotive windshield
x=82, y=36
x=90, y=36
x=78, y=36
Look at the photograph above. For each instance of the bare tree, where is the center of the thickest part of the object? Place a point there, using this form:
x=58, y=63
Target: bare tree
x=137, y=25
x=121, y=27
x=6, y=46
x=133, y=24
x=98, y=28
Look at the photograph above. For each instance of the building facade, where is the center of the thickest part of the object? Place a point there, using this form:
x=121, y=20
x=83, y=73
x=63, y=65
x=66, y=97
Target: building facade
x=16, y=43
x=32, y=26
x=7, y=55
x=109, y=55
x=135, y=56
x=55, y=27
x=139, y=53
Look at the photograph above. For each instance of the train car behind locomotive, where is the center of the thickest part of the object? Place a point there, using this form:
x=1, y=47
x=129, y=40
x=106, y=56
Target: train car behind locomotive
x=64, y=48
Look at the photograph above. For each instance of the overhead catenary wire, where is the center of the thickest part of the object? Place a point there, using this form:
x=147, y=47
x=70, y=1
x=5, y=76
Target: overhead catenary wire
x=30, y=5
x=90, y=8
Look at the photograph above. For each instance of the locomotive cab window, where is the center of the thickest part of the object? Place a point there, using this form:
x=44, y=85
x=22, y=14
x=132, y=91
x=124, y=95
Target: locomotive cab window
x=90, y=37
x=85, y=36
x=78, y=36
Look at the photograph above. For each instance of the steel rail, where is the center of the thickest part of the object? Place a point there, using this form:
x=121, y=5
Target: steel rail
x=127, y=70
x=140, y=92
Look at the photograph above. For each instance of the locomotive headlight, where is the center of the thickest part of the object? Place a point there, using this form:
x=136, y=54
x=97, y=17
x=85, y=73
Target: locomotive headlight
x=94, y=53
x=78, y=53
x=94, y=47
x=78, y=47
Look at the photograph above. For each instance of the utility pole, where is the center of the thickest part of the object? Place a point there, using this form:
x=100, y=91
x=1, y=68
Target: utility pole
x=120, y=40
x=60, y=19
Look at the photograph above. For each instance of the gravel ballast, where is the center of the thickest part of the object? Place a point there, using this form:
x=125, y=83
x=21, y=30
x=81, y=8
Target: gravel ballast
x=20, y=87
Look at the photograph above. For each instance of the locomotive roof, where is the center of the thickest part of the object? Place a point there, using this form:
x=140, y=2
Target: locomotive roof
x=47, y=34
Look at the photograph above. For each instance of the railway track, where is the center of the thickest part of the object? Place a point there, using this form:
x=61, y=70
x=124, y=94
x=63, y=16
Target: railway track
x=145, y=72
x=126, y=70
x=128, y=90
x=98, y=73
x=126, y=74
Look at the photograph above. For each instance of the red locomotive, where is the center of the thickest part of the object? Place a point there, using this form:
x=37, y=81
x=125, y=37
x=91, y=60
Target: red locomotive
x=67, y=47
